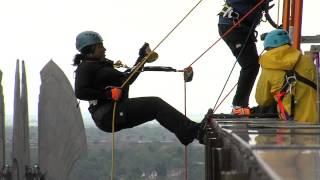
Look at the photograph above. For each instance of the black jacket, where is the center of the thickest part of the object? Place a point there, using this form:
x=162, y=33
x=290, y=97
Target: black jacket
x=92, y=77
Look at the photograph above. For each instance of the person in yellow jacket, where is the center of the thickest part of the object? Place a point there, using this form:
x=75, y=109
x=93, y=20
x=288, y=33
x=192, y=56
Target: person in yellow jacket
x=296, y=100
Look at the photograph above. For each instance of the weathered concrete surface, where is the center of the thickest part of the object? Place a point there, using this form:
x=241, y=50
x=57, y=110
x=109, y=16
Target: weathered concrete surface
x=20, y=140
x=16, y=139
x=17, y=142
x=62, y=138
x=2, y=126
x=25, y=115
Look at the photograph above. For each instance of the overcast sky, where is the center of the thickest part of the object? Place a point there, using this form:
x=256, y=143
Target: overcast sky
x=39, y=30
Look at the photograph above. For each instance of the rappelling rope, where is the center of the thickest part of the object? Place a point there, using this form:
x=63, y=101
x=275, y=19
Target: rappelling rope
x=113, y=140
x=185, y=147
x=225, y=97
x=135, y=70
x=278, y=13
x=224, y=86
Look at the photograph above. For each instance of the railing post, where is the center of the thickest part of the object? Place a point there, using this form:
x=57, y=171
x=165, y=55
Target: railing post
x=297, y=23
x=315, y=49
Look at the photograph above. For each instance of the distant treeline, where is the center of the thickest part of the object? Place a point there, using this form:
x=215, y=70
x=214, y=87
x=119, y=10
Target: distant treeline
x=141, y=153
x=144, y=152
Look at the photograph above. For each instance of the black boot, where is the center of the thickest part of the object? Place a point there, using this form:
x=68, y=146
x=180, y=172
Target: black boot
x=202, y=126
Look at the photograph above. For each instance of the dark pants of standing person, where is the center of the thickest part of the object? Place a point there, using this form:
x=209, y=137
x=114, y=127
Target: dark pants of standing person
x=135, y=111
x=248, y=60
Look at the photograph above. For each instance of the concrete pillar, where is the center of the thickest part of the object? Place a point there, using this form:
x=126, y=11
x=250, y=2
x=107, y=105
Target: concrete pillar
x=2, y=127
x=62, y=138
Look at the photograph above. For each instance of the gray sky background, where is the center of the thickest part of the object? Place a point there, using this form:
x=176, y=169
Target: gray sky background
x=39, y=30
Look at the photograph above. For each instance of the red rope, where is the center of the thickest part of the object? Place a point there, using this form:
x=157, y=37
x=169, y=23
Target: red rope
x=283, y=113
x=229, y=30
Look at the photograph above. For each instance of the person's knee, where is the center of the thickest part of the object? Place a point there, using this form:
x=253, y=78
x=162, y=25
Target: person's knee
x=157, y=98
x=158, y=102
x=153, y=99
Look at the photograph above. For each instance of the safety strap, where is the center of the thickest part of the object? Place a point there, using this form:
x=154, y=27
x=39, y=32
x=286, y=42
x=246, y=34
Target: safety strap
x=283, y=114
x=305, y=81
x=288, y=85
x=291, y=78
x=229, y=12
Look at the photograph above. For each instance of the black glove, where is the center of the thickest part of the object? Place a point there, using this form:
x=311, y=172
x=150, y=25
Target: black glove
x=143, y=51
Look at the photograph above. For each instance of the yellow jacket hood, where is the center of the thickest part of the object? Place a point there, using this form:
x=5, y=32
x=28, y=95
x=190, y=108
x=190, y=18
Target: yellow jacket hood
x=283, y=58
x=274, y=63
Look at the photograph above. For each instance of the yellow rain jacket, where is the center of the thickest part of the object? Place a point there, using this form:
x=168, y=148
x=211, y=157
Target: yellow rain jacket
x=274, y=63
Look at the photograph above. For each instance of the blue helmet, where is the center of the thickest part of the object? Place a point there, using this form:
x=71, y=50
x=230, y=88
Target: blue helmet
x=87, y=38
x=276, y=38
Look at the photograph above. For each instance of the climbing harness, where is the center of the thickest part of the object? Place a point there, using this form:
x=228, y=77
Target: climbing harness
x=291, y=77
x=228, y=12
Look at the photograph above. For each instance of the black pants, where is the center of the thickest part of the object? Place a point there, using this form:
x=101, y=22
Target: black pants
x=135, y=111
x=248, y=60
